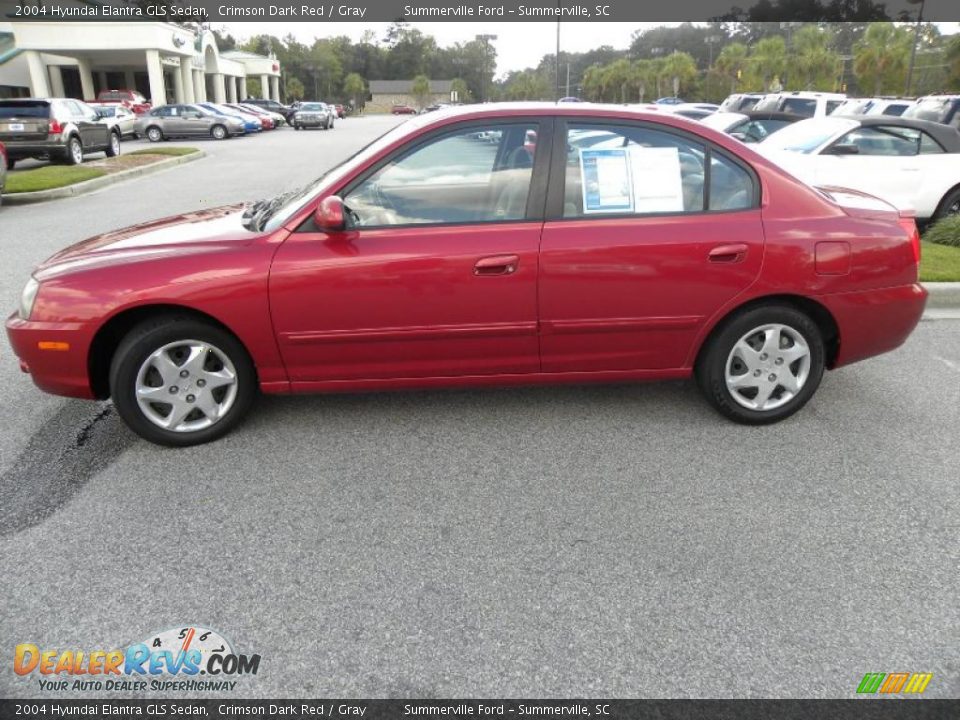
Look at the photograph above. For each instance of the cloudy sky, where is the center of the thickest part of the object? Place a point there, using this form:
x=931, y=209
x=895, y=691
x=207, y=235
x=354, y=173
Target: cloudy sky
x=519, y=45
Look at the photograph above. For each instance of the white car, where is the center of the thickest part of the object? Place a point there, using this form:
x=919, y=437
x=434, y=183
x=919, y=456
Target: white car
x=806, y=103
x=910, y=163
x=117, y=116
x=872, y=106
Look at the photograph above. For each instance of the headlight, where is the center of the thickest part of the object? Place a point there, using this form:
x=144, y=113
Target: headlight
x=27, y=297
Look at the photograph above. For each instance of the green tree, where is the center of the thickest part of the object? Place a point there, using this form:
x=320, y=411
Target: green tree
x=880, y=59
x=421, y=91
x=767, y=62
x=527, y=84
x=459, y=86
x=732, y=64
x=355, y=88
x=953, y=61
x=679, y=71
x=813, y=65
x=253, y=87
x=295, y=89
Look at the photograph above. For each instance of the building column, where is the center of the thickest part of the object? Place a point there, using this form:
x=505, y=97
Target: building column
x=178, y=94
x=158, y=92
x=231, y=89
x=198, y=86
x=39, y=84
x=86, y=79
x=56, y=81
x=265, y=87
x=130, y=80
x=243, y=88
x=186, y=79
x=275, y=85
x=219, y=91
x=102, y=79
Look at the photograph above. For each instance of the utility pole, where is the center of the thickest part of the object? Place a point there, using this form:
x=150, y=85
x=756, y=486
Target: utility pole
x=557, y=65
x=485, y=39
x=567, y=93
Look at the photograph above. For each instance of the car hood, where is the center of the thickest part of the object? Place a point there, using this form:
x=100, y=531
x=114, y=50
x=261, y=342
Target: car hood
x=203, y=231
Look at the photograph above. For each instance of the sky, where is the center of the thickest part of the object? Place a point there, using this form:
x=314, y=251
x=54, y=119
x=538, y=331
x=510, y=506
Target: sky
x=519, y=44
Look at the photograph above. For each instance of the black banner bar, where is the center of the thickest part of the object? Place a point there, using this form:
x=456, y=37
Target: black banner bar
x=475, y=11
x=224, y=709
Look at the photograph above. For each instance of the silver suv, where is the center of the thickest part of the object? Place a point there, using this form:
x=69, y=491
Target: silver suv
x=57, y=129
x=182, y=120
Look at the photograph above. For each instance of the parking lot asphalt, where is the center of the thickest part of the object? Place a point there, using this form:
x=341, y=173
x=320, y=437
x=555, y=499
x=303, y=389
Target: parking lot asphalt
x=579, y=541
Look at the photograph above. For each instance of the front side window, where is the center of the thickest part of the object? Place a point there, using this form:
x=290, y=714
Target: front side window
x=616, y=170
x=474, y=175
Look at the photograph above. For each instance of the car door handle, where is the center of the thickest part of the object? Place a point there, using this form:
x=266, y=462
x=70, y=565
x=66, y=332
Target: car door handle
x=496, y=265
x=728, y=253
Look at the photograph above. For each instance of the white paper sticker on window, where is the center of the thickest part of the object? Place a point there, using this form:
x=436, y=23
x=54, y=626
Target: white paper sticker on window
x=605, y=177
x=657, y=183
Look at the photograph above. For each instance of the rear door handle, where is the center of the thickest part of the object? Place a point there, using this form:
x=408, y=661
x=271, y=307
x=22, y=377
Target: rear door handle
x=728, y=253
x=497, y=265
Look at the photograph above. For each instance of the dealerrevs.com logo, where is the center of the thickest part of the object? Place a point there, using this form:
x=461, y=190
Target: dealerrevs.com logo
x=172, y=660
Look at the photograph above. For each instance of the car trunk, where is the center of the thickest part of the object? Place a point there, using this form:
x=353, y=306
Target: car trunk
x=24, y=120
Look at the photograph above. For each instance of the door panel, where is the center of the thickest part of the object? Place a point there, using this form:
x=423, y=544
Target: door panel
x=406, y=302
x=631, y=293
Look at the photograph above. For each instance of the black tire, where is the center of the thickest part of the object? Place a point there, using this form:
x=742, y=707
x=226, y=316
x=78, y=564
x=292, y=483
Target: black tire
x=218, y=132
x=113, y=146
x=711, y=366
x=73, y=153
x=150, y=336
x=950, y=205
x=296, y=127
x=10, y=163
x=154, y=134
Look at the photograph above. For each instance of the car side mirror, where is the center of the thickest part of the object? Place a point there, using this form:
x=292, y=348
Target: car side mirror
x=330, y=215
x=846, y=149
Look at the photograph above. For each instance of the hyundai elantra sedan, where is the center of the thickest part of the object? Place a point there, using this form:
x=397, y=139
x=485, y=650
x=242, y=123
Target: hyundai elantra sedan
x=433, y=258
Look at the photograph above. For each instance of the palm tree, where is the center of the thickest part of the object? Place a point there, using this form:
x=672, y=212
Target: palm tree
x=768, y=60
x=680, y=69
x=732, y=62
x=880, y=58
x=818, y=67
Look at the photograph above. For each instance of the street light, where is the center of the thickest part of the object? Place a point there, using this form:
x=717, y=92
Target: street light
x=913, y=49
x=485, y=38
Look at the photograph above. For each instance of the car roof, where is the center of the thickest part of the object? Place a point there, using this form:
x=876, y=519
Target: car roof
x=772, y=115
x=947, y=136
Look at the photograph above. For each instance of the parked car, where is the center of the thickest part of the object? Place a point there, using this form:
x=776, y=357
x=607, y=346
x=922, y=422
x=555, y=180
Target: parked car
x=266, y=121
x=751, y=126
x=805, y=103
x=3, y=169
x=403, y=110
x=251, y=124
x=872, y=106
x=740, y=102
x=170, y=121
x=313, y=114
x=273, y=106
x=119, y=118
x=341, y=111
x=908, y=162
x=55, y=129
x=427, y=259
x=943, y=109
x=694, y=111
x=669, y=101
x=276, y=118
x=130, y=99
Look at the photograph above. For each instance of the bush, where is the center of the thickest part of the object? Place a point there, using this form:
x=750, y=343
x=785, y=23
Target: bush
x=945, y=231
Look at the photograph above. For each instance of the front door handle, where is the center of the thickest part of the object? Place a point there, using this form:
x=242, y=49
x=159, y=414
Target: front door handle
x=728, y=253
x=496, y=265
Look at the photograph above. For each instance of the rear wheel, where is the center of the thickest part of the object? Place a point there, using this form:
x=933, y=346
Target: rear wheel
x=74, y=152
x=179, y=381
x=113, y=147
x=763, y=365
x=154, y=134
x=219, y=132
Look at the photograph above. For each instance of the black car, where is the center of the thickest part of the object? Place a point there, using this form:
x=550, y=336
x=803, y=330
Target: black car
x=57, y=129
x=273, y=106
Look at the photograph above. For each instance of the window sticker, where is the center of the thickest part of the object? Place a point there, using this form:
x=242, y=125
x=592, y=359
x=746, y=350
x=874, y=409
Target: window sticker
x=605, y=177
x=657, y=182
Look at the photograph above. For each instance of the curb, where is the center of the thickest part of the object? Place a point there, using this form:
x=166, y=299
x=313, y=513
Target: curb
x=97, y=183
x=943, y=295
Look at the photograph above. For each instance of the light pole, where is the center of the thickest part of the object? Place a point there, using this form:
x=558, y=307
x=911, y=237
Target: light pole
x=485, y=39
x=913, y=49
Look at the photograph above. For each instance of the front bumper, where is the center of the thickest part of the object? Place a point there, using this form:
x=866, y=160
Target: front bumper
x=57, y=371
x=314, y=121
x=872, y=322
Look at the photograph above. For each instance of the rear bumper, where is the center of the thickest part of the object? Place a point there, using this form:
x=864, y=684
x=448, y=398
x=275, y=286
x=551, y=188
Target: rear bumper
x=61, y=372
x=22, y=149
x=872, y=322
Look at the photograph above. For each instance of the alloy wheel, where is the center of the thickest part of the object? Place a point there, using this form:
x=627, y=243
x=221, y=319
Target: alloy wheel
x=76, y=151
x=767, y=367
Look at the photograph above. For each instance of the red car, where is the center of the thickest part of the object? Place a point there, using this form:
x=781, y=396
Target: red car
x=626, y=246
x=130, y=99
x=403, y=110
x=341, y=113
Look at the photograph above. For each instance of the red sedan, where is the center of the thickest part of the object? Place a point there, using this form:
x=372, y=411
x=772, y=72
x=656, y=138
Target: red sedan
x=450, y=252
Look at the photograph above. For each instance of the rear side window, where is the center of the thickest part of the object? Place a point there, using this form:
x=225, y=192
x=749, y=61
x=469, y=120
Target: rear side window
x=24, y=109
x=799, y=106
x=617, y=170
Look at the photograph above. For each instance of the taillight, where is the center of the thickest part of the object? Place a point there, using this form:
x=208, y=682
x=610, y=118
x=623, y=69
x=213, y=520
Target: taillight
x=55, y=127
x=910, y=226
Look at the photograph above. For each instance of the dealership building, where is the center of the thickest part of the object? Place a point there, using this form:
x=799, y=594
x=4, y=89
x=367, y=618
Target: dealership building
x=165, y=62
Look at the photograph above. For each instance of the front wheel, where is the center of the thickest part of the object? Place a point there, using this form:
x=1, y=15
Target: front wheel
x=179, y=381
x=949, y=206
x=154, y=134
x=219, y=132
x=763, y=365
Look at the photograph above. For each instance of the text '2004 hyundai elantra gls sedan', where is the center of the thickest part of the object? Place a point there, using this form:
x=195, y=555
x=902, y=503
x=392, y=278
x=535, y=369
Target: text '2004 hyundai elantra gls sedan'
x=488, y=245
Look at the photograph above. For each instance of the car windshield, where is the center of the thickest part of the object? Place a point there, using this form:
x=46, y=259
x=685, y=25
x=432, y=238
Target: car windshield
x=107, y=111
x=20, y=109
x=268, y=215
x=807, y=136
x=852, y=107
x=935, y=109
x=312, y=107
